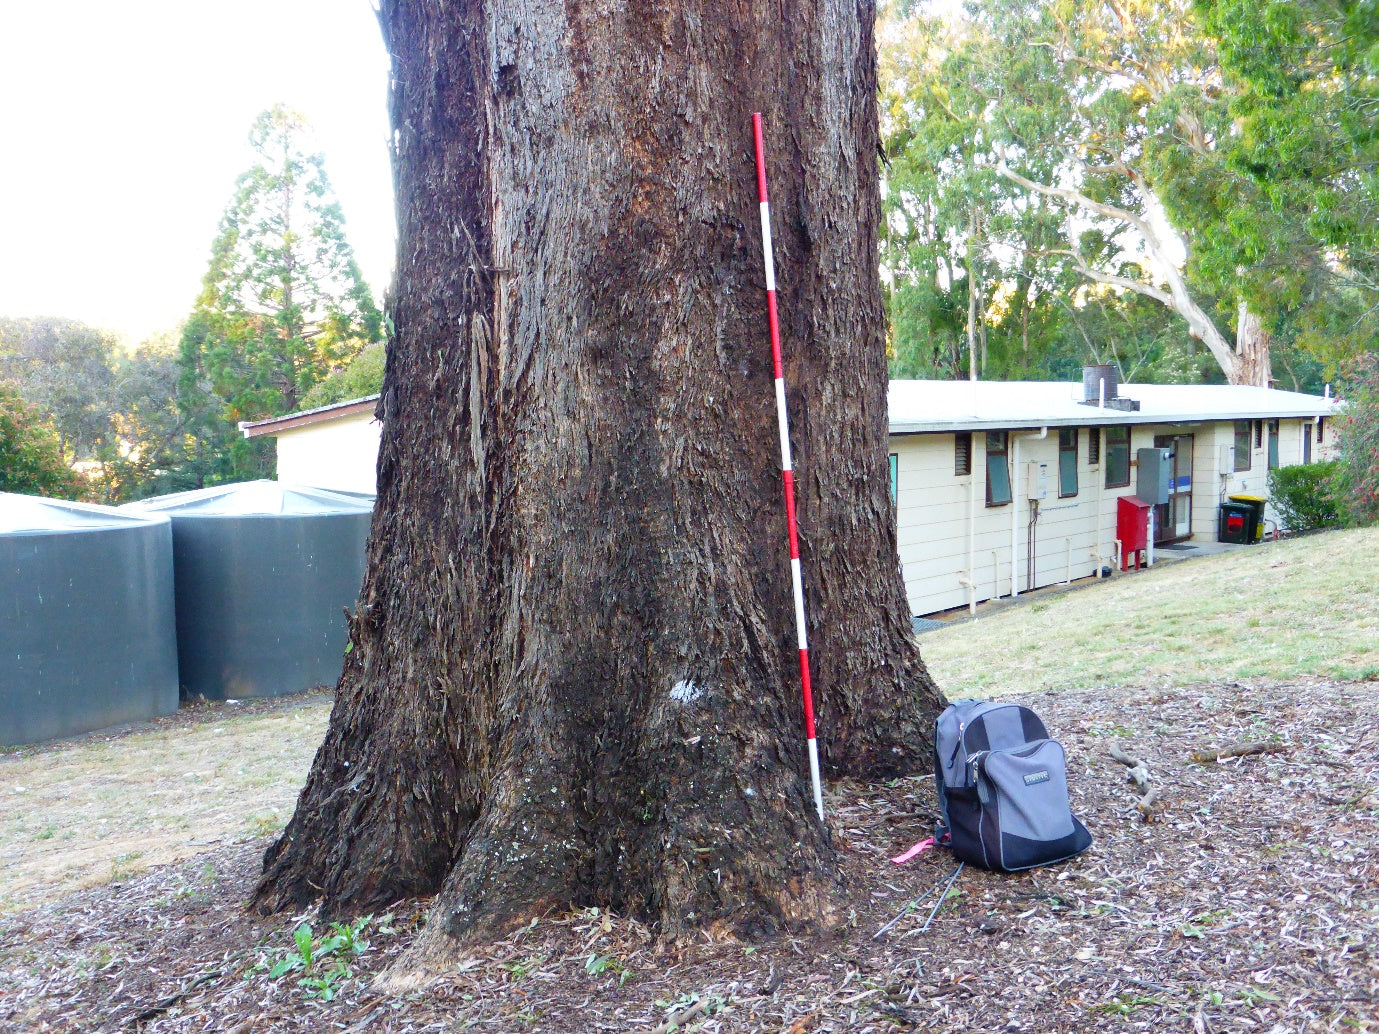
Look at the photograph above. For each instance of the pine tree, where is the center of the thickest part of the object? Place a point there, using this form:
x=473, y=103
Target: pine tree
x=283, y=302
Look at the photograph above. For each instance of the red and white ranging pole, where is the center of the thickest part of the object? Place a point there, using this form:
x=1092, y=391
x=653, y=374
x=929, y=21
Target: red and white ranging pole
x=787, y=473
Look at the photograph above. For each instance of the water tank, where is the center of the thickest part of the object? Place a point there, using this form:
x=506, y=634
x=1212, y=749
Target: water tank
x=87, y=637
x=1096, y=379
x=264, y=572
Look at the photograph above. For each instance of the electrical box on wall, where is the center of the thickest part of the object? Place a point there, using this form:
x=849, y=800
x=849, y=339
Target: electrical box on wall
x=1154, y=481
x=1226, y=463
x=1037, y=480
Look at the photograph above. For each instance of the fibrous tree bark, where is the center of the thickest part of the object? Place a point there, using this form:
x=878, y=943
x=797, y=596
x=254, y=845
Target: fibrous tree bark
x=572, y=674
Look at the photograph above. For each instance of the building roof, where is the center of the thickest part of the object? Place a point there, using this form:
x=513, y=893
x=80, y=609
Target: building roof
x=335, y=411
x=917, y=407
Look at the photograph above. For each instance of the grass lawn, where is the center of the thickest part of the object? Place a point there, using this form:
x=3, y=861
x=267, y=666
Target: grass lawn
x=1279, y=610
x=126, y=858
x=78, y=813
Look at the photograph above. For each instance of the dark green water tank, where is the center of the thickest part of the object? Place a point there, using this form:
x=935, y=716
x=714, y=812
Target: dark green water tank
x=87, y=636
x=264, y=572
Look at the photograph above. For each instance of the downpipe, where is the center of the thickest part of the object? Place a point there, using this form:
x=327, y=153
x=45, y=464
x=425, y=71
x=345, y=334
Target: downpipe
x=1015, y=506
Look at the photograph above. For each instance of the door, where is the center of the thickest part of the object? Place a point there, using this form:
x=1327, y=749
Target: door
x=1173, y=521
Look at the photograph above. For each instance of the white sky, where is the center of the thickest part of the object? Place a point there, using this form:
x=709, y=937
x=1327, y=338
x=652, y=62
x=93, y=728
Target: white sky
x=124, y=124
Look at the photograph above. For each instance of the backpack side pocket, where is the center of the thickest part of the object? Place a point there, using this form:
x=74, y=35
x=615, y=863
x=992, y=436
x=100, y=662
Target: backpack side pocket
x=1034, y=822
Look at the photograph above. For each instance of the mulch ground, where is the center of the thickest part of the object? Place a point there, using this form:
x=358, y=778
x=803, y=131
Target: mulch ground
x=1250, y=902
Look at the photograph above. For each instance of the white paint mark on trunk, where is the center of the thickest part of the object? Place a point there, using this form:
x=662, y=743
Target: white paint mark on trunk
x=685, y=692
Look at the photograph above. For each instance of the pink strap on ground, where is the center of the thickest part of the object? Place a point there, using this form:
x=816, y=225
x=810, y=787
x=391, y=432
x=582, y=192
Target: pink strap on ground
x=920, y=847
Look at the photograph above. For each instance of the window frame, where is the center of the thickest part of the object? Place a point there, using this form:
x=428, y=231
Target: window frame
x=1271, y=458
x=1244, y=458
x=1306, y=443
x=962, y=458
x=1117, y=430
x=991, y=454
x=894, y=463
x=1067, y=461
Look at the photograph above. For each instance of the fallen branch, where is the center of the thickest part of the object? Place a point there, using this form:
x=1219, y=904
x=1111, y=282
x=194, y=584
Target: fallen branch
x=1137, y=772
x=167, y=1003
x=682, y=1017
x=1239, y=750
x=1132, y=980
x=1146, y=805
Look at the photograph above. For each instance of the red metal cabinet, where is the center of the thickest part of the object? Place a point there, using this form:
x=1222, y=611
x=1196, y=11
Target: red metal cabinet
x=1132, y=528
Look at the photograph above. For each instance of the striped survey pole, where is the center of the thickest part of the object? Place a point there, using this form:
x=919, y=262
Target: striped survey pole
x=787, y=474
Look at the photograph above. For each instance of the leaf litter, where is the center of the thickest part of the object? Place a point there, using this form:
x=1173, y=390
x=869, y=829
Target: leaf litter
x=1248, y=901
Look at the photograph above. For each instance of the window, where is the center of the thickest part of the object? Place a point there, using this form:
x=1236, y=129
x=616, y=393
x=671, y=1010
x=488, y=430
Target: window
x=1067, y=462
x=1321, y=429
x=1259, y=434
x=1273, y=445
x=1117, y=457
x=895, y=477
x=997, y=471
x=1306, y=444
x=962, y=453
x=1093, y=446
x=1242, y=445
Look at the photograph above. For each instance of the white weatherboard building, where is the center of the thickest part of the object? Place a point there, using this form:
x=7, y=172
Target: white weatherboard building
x=1006, y=486
x=333, y=447
x=1001, y=486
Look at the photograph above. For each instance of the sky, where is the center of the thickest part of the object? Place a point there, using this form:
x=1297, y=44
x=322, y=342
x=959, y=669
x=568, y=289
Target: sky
x=123, y=127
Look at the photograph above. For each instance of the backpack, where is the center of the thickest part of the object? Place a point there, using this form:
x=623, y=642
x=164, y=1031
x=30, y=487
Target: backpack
x=1003, y=788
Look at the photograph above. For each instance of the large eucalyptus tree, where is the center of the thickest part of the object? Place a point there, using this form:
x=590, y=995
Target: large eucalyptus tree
x=572, y=669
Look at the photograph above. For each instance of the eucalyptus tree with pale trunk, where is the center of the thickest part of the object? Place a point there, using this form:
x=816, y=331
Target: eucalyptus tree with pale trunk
x=1113, y=124
x=572, y=673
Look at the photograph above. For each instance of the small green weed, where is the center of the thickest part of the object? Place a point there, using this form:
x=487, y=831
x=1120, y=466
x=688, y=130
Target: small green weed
x=601, y=964
x=1212, y=917
x=518, y=971
x=1125, y=1004
x=264, y=825
x=122, y=868
x=323, y=960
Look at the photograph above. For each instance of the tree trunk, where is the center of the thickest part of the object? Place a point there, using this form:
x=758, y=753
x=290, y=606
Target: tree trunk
x=1252, y=342
x=573, y=669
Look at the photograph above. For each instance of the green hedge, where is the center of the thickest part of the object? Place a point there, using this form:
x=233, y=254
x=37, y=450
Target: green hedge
x=1305, y=496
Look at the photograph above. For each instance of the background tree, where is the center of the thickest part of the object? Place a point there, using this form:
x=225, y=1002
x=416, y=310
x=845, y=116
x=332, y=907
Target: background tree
x=1357, y=440
x=68, y=370
x=283, y=302
x=1106, y=122
x=157, y=446
x=573, y=668
x=1306, y=110
x=31, y=461
x=362, y=376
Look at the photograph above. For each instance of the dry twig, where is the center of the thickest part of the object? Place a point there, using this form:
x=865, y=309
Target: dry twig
x=1239, y=750
x=682, y=1017
x=1137, y=772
